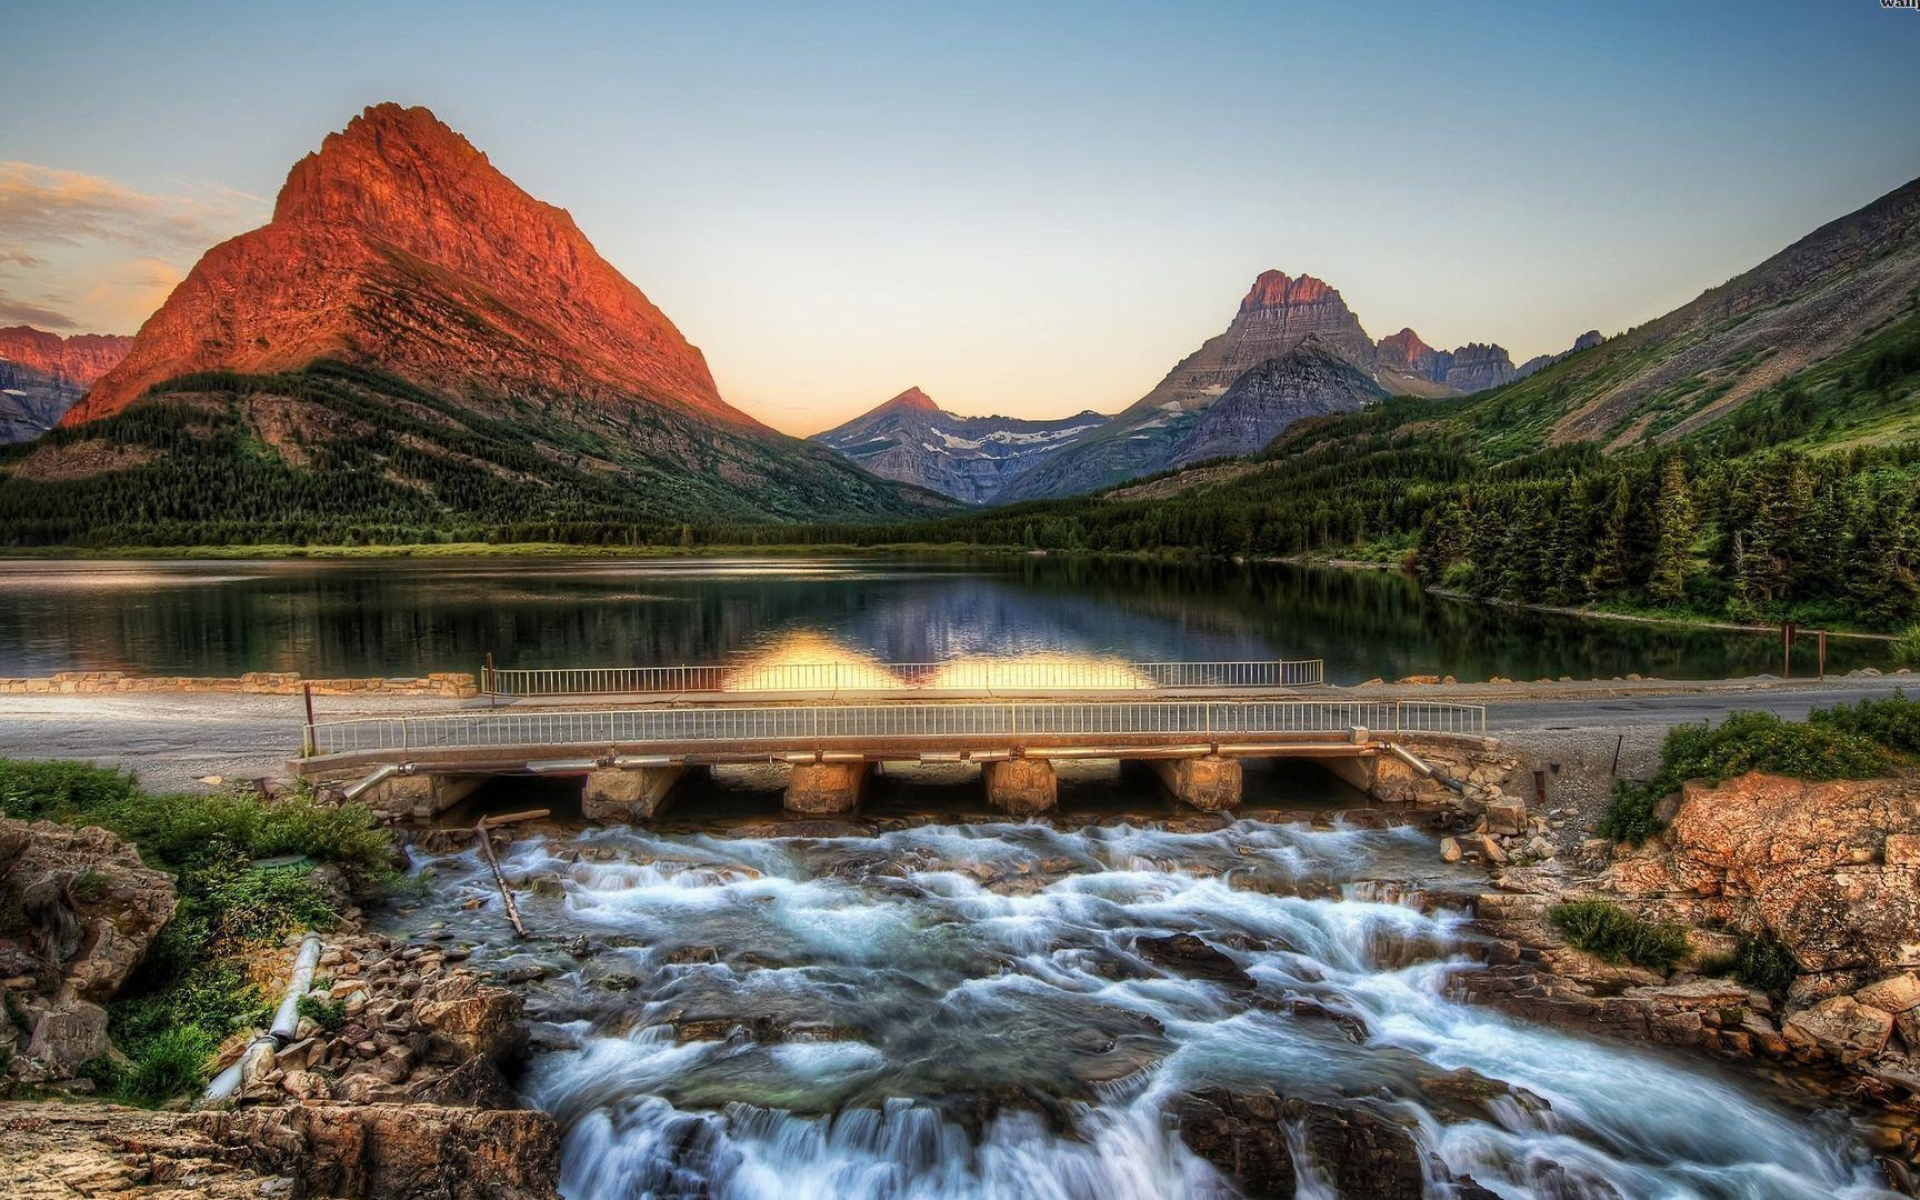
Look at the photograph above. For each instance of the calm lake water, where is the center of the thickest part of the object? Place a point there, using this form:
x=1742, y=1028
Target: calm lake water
x=409, y=617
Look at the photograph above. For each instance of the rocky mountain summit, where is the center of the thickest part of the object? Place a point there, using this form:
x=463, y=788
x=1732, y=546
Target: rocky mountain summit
x=912, y=439
x=1310, y=380
x=1279, y=312
x=42, y=375
x=416, y=340
x=399, y=244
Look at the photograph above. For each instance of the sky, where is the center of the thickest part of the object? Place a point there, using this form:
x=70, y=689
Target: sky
x=1023, y=208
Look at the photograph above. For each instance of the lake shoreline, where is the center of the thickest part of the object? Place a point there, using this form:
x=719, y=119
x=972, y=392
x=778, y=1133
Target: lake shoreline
x=566, y=550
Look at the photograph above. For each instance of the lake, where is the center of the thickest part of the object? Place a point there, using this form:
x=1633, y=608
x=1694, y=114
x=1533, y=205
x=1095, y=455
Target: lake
x=405, y=617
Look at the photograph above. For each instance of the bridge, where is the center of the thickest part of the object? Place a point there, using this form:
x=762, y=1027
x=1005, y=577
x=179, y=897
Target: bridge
x=631, y=759
x=1026, y=676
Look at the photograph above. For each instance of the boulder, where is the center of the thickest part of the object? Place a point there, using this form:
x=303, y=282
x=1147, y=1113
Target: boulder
x=1840, y=1028
x=471, y=1019
x=91, y=909
x=1185, y=954
x=1895, y=994
x=1361, y=1154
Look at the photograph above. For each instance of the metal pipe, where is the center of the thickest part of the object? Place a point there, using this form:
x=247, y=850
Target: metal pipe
x=286, y=1019
x=380, y=775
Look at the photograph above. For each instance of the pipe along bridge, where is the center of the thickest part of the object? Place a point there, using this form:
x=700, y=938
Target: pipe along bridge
x=630, y=761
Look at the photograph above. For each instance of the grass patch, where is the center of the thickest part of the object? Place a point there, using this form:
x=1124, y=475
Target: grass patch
x=189, y=995
x=1745, y=741
x=329, y=1015
x=1616, y=935
x=1761, y=963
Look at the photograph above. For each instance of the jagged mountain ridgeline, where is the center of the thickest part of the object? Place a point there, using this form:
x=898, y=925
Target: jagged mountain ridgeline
x=1266, y=345
x=413, y=345
x=1753, y=455
x=911, y=439
x=42, y=375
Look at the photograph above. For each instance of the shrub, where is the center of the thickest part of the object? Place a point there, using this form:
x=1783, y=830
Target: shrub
x=58, y=791
x=346, y=835
x=1906, y=647
x=1617, y=935
x=1758, y=962
x=1893, y=721
x=329, y=1015
x=1745, y=741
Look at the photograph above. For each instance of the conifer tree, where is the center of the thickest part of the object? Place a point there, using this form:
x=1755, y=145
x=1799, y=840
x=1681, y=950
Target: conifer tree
x=1673, y=535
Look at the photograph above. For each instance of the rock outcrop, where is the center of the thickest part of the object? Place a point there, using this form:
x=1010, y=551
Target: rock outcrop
x=1832, y=870
x=913, y=440
x=78, y=912
x=383, y=1152
x=394, y=1152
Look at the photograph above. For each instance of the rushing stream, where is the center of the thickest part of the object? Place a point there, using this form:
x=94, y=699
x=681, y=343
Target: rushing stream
x=966, y=1010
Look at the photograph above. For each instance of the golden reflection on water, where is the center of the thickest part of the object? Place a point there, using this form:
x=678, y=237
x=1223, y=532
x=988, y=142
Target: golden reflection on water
x=812, y=661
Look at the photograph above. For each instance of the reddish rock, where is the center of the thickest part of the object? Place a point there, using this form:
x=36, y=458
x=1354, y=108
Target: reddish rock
x=79, y=359
x=1808, y=861
x=399, y=245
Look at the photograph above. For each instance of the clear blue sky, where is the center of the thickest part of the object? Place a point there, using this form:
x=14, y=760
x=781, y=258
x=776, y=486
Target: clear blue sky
x=1021, y=207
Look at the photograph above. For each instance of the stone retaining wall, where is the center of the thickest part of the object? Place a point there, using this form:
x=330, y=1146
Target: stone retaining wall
x=447, y=685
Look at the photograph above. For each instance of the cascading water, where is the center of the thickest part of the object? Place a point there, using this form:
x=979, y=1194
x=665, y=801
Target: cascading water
x=962, y=1011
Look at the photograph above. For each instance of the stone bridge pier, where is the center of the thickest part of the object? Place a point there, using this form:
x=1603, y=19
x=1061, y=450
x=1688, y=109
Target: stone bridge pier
x=1021, y=787
x=630, y=794
x=1210, y=783
x=820, y=789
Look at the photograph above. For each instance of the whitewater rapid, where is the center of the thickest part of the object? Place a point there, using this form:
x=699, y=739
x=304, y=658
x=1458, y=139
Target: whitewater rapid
x=965, y=1011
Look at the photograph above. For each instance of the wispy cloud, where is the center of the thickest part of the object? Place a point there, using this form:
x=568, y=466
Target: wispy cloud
x=21, y=312
x=41, y=205
x=18, y=256
x=95, y=253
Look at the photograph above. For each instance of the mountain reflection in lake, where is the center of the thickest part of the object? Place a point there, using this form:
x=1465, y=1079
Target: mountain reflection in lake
x=348, y=618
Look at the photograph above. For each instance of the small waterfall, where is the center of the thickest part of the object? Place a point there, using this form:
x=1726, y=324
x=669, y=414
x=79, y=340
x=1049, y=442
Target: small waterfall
x=958, y=1012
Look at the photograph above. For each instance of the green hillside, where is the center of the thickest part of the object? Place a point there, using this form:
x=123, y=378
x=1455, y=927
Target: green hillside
x=337, y=454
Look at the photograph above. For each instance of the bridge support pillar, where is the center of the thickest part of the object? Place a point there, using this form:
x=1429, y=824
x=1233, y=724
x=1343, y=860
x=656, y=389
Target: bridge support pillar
x=825, y=789
x=633, y=795
x=1021, y=787
x=1357, y=773
x=417, y=797
x=1211, y=783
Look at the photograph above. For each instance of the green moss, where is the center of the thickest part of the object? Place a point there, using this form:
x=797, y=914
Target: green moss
x=1616, y=935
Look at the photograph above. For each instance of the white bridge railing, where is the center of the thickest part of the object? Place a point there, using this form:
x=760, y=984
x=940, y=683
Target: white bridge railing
x=806, y=726
x=984, y=675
